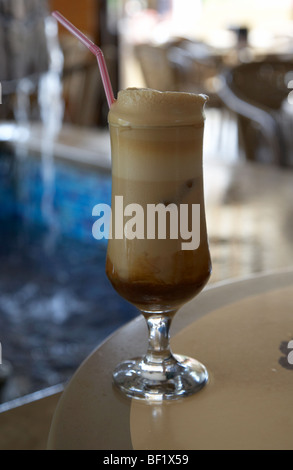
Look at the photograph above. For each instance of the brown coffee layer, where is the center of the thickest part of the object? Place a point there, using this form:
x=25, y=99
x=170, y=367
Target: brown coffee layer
x=152, y=295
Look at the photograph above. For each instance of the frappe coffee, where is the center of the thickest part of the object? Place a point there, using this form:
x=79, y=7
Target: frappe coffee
x=156, y=145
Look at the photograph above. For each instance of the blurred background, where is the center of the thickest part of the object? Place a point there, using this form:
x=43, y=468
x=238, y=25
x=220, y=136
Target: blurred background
x=56, y=304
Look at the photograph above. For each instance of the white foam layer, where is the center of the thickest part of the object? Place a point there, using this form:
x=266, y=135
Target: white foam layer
x=147, y=107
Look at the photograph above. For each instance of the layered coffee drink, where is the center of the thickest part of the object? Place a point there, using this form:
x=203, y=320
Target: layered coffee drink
x=158, y=256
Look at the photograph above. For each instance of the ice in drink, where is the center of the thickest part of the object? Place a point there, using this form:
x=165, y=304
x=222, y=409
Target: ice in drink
x=156, y=144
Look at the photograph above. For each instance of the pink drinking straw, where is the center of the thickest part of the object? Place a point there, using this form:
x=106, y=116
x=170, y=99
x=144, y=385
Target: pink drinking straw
x=95, y=50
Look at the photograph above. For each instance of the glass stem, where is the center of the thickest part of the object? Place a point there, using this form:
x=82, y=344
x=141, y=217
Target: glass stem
x=159, y=350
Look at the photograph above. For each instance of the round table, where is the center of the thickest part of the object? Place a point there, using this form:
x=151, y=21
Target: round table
x=241, y=330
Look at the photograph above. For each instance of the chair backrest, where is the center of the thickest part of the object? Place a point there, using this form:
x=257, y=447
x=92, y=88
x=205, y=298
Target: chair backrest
x=261, y=83
x=256, y=92
x=155, y=65
x=82, y=85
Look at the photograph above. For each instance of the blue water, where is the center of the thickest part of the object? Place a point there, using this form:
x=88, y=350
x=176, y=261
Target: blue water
x=56, y=303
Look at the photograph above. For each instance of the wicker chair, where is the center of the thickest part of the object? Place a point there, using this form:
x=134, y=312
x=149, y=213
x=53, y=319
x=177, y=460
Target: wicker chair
x=155, y=66
x=256, y=92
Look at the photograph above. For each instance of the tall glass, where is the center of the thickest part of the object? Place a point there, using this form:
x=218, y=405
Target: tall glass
x=158, y=256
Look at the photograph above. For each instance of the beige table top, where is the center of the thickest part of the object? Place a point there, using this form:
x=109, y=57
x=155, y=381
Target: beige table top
x=240, y=330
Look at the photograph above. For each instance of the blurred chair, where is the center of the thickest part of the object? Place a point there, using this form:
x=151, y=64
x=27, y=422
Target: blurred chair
x=256, y=93
x=82, y=85
x=158, y=73
x=196, y=67
x=180, y=65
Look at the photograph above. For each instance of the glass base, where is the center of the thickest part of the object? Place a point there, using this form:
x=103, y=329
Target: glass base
x=177, y=377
